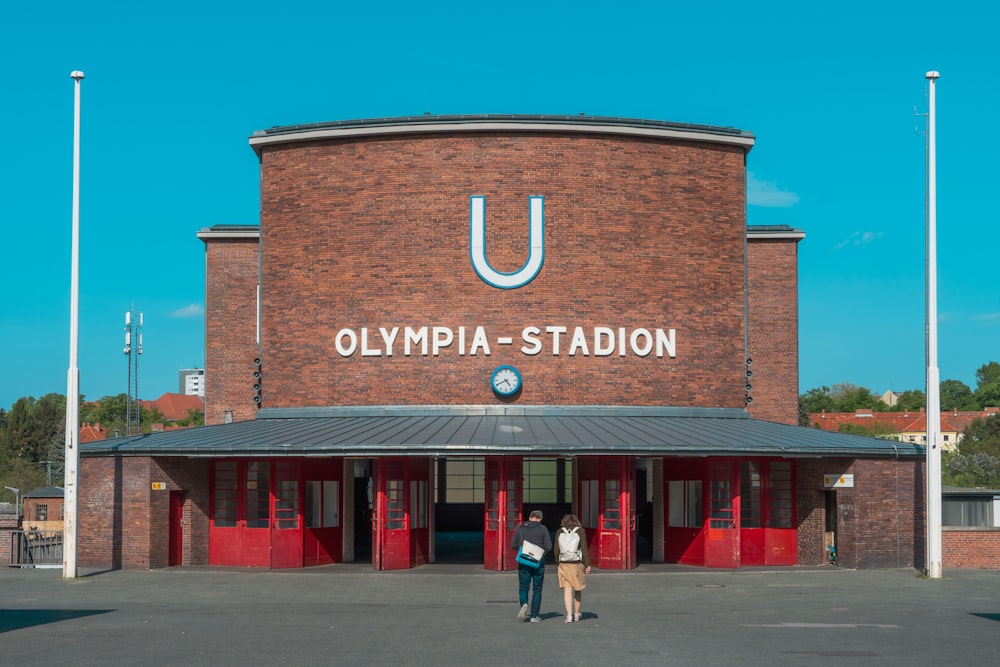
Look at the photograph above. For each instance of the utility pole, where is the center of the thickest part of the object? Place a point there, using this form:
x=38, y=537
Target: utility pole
x=934, y=556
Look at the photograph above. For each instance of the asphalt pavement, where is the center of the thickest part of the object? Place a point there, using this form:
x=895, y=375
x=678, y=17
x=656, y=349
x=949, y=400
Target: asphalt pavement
x=463, y=615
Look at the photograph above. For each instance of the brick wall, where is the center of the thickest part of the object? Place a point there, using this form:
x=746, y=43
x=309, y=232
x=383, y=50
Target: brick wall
x=970, y=548
x=374, y=232
x=231, y=271
x=772, y=268
x=123, y=523
x=880, y=520
x=8, y=523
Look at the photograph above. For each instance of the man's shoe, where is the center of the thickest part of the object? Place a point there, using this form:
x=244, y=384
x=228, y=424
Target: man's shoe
x=522, y=613
x=536, y=619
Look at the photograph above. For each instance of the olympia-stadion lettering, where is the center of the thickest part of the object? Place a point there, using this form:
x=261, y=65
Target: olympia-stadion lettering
x=425, y=341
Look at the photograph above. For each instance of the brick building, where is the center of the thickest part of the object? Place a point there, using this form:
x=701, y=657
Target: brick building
x=446, y=321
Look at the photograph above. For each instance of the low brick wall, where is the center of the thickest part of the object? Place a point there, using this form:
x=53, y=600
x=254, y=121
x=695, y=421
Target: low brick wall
x=977, y=548
x=8, y=524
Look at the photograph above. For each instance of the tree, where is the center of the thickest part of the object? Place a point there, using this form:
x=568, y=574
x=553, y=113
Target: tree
x=988, y=395
x=816, y=400
x=976, y=463
x=956, y=395
x=848, y=397
x=911, y=400
x=988, y=374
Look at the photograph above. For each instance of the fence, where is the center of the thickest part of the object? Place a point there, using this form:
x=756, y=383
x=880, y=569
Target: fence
x=36, y=548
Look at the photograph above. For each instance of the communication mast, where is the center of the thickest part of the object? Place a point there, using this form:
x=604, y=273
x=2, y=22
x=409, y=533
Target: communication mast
x=133, y=332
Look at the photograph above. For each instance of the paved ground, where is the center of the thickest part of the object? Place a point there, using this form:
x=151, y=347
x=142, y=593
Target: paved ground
x=462, y=615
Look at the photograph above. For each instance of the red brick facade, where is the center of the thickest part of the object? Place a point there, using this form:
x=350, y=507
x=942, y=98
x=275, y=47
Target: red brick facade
x=772, y=270
x=124, y=521
x=231, y=271
x=970, y=548
x=374, y=232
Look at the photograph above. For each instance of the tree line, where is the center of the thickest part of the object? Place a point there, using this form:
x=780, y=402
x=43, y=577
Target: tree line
x=976, y=460
x=33, y=435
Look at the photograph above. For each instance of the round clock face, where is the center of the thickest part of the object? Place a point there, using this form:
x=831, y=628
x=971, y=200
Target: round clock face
x=506, y=380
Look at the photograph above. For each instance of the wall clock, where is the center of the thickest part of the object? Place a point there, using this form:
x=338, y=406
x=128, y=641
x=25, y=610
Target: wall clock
x=506, y=381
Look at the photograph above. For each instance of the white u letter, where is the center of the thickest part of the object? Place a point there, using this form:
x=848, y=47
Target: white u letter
x=536, y=245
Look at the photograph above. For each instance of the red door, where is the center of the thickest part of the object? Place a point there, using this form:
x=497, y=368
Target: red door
x=286, y=528
x=616, y=519
x=241, y=509
x=722, y=546
x=503, y=511
x=175, y=529
x=391, y=548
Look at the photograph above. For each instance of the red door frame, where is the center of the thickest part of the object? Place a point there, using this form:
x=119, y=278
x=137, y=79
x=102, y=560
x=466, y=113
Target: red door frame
x=390, y=518
x=722, y=520
x=175, y=529
x=243, y=540
x=614, y=537
x=286, y=514
x=504, y=510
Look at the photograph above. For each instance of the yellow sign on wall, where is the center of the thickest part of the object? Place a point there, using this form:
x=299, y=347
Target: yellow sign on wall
x=845, y=481
x=159, y=486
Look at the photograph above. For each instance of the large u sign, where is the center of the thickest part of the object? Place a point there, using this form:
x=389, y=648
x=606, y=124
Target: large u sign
x=536, y=245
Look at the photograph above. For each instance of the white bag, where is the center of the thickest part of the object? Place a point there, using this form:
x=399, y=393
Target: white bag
x=569, y=546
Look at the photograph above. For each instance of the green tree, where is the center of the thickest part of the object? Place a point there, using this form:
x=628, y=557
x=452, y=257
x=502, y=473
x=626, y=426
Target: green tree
x=18, y=435
x=988, y=374
x=956, y=395
x=816, y=400
x=874, y=430
x=848, y=397
x=976, y=463
x=911, y=400
x=988, y=395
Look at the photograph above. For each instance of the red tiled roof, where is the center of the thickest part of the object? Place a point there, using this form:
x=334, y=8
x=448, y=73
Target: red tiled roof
x=952, y=421
x=175, y=407
x=92, y=432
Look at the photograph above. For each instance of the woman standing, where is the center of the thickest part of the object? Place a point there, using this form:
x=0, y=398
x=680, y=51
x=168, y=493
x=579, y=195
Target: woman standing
x=573, y=556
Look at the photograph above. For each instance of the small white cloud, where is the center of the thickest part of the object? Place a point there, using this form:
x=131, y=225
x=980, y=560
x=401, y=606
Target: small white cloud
x=988, y=318
x=767, y=193
x=194, y=310
x=858, y=239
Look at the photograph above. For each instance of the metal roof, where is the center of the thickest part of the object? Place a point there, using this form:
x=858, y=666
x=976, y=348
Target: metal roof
x=451, y=123
x=482, y=430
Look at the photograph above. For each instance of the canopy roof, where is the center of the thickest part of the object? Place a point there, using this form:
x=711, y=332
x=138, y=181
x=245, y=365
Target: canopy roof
x=482, y=430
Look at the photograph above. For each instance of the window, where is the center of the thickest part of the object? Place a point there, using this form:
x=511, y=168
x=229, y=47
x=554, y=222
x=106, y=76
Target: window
x=974, y=511
x=685, y=503
x=464, y=481
x=541, y=482
x=41, y=512
x=224, y=515
x=322, y=504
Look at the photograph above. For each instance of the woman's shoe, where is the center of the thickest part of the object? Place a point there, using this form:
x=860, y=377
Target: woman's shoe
x=576, y=618
x=569, y=618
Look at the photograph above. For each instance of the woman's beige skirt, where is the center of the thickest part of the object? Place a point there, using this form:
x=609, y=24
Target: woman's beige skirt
x=571, y=575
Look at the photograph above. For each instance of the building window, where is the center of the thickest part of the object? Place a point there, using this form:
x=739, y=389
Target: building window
x=541, y=483
x=322, y=504
x=41, y=512
x=684, y=503
x=969, y=512
x=464, y=481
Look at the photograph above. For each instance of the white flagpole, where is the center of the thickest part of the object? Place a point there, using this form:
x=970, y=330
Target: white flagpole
x=72, y=462
x=934, y=556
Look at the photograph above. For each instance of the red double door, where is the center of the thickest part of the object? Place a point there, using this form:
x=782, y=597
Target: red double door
x=606, y=504
x=401, y=513
x=256, y=515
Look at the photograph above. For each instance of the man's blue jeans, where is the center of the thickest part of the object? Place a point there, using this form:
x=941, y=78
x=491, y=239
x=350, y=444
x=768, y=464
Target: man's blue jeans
x=533, y=578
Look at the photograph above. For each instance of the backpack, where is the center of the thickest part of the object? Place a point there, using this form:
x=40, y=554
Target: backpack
x=569, y=546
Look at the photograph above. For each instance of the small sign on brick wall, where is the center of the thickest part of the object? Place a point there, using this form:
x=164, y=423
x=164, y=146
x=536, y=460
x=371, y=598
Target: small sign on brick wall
x=159, y=486
x=838, y=481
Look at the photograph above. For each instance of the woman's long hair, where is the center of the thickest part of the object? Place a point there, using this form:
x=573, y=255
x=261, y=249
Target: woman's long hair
x=570, y=521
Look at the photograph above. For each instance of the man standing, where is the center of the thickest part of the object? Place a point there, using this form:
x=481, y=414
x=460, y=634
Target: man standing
x=528, y=576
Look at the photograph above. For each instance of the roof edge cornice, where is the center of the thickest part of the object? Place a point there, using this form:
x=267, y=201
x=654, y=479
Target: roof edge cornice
x=500, y=123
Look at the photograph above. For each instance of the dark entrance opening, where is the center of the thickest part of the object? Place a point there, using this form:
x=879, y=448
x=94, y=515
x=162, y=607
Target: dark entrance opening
x=362, y=517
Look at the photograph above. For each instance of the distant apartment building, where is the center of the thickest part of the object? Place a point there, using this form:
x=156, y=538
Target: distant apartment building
x=192, y=382
x=906, y=426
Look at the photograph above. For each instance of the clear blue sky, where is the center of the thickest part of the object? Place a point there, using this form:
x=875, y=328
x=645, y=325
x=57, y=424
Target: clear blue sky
x=173, y=90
